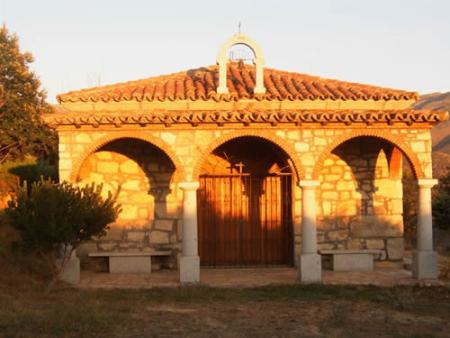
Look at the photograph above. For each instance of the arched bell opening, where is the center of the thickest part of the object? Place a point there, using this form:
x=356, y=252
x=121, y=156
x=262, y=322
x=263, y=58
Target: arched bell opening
x=245, y=205
x=257, y=59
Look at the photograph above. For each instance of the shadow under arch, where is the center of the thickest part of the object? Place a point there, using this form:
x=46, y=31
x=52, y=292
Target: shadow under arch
x=140, y=172
x=361, y=192
x=393, y=140
x=179, y=172
x=287, y=148
x=370, y=162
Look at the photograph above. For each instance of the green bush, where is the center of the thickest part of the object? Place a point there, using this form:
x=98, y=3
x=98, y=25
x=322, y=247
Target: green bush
x=49, y=215
x=441, y=203
x=30, y=169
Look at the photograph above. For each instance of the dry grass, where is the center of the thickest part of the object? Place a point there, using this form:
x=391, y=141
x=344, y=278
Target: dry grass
x=444, y=267
x=17, y=269
x=27, y=310
x=295, y=310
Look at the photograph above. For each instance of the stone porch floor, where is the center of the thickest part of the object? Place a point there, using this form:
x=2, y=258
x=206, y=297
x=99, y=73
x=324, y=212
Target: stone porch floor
x=385, y=274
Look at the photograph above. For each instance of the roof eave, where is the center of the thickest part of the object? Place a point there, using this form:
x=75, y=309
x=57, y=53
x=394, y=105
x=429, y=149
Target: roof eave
x=243, y=104
x=165, y=118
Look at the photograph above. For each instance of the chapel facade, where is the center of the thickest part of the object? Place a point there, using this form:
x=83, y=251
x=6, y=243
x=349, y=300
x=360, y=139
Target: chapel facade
x=239, y=165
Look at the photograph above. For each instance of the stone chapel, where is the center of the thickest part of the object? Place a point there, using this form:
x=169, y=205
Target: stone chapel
x=236, y=165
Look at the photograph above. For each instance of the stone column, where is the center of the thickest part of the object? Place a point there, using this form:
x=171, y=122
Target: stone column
x=310, y=269
x=189, y=260
x=425, y=259
x=70, y=272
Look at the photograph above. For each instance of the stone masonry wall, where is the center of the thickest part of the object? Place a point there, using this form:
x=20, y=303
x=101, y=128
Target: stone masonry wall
x=309, y=150
x=149, y=217
x=360, y=205
x=190, y=146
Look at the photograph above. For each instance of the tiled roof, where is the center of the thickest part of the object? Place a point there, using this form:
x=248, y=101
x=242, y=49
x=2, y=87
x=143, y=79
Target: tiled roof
x=201, y=84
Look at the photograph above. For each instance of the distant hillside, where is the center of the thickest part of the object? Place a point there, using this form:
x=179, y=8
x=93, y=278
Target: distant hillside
x=441, y=133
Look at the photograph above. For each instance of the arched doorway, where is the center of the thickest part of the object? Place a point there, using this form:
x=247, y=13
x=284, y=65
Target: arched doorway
x=245, y=205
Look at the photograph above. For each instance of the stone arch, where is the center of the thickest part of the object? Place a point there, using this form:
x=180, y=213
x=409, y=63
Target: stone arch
x=285, y=146
x=394, y=140
x=222, y=60
x=165, y=148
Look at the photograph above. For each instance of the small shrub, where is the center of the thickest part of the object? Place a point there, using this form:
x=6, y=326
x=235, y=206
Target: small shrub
x=13, y=173
x=32, y=170
x=50, y=215
x=441, y=203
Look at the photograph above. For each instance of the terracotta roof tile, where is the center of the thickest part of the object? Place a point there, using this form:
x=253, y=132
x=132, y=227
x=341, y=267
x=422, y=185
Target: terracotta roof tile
x=201, y=84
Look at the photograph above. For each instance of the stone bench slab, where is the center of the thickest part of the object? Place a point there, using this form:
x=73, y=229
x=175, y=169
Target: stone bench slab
x=350, y=252
x=129, y=254
x=130, y=262
x=352, y=260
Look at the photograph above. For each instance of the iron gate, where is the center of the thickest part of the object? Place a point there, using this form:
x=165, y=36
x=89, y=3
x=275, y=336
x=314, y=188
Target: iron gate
x=245, y=220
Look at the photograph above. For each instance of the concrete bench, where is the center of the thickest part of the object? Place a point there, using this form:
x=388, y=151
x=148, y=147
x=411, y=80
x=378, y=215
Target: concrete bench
x=352, y=260
x=130, y=262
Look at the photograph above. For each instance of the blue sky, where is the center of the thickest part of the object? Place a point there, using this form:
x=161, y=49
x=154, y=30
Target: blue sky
x=394, y=43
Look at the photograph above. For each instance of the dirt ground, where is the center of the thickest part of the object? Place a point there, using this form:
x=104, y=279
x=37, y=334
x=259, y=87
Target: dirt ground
x=27, y=309
x=270, y=311
x=288, y=319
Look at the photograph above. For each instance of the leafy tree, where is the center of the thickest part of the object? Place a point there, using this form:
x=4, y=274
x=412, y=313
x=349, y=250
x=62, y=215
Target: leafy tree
x=441, y=203
x=50, y=216
x=22, y=103
x=2, y=96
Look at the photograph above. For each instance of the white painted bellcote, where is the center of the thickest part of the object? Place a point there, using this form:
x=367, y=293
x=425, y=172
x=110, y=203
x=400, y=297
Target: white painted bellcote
x=222, y=61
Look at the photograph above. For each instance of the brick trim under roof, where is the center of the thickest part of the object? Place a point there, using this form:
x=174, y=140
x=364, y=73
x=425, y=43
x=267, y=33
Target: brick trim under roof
x=201, y=84
x=346, y=117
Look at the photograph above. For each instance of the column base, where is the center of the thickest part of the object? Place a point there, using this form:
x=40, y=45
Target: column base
x=189, y=269
x=310, y=268
x=425, y=265
x=71, y=271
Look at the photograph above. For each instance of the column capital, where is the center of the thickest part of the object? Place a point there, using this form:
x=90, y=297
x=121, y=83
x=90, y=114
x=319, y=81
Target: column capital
x=189, y=185
x=427, y=182
x=308, y=184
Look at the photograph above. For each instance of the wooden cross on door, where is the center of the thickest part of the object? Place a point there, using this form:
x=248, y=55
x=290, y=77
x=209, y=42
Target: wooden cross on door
x=240, y=167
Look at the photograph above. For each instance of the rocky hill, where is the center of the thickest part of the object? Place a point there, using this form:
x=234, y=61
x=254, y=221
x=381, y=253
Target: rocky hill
x=441, y=133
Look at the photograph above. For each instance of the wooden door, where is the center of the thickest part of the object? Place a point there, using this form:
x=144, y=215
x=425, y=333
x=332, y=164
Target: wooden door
x=245, y=220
